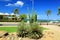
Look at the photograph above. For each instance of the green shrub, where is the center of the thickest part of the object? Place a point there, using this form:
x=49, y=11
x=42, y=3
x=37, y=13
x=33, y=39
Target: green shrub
x=32, y=30
x=23, y=30
x=35, y=31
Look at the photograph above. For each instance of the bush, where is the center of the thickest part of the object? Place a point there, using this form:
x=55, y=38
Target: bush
x=32, y=30
x=23, y=30
x=35, y=31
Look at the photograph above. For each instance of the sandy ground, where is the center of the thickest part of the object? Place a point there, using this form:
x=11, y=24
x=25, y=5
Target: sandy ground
x=52, y=34
x=52, y=27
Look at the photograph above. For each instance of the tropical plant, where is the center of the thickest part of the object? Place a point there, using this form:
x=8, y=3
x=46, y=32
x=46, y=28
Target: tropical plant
x=31, y=30
x=58, y=11
x=15, y=13
x=33, y=17
x=23, y=30
x=35, y=32
x=31, y=20
x=48, y=13
x=23, y=17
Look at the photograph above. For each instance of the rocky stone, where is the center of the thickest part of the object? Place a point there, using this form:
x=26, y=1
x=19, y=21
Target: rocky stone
x=3, y=33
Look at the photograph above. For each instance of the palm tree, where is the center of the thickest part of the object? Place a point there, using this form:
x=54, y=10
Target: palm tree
x=58, y=11
x=48, y=13
x=16, y=12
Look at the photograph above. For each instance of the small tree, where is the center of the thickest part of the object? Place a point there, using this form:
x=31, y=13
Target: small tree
x=48, y=13
x=23, y=17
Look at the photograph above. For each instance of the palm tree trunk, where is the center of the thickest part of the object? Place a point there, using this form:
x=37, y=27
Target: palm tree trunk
x=48, y=20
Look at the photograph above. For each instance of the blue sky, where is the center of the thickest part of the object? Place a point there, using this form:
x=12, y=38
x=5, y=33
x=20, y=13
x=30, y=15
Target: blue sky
x=40, y=7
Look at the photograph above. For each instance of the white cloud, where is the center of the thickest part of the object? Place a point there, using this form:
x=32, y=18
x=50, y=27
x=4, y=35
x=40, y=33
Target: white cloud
x=6, y=13
x=9, y=4
x=18, y=3
x=1, y=13
x=11, y=13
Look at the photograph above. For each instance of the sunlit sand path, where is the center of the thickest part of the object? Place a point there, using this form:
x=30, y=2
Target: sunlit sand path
x=52, y=27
